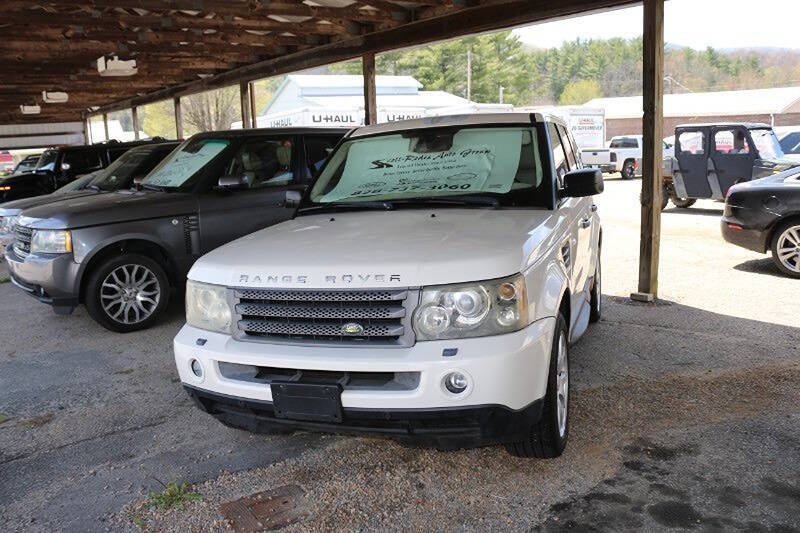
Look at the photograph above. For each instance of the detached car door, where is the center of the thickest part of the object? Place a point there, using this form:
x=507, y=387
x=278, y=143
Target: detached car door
x=691, y=152
x=733, y=155
x=272, y=166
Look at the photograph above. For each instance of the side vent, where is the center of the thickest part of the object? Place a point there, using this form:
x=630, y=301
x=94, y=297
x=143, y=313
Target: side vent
x=191, y=234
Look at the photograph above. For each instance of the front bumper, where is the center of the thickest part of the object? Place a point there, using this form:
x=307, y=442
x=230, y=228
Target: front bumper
x=507, y=376
x=50, y=278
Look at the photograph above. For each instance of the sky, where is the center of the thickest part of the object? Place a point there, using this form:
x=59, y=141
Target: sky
x=694, y=23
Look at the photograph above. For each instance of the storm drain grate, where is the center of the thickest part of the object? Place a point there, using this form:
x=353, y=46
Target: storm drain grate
x=264, y=511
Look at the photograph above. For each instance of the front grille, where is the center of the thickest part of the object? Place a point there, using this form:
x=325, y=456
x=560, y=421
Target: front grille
x=385, y=381
x=375, y=317
x=22, y=240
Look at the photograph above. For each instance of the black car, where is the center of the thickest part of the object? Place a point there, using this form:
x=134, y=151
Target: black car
x=764, y=215
x=135, y=163
x=121, y=253
x=57, y=167
x=28, y=164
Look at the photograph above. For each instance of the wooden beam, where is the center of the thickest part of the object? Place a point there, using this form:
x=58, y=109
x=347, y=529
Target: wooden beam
x=135, y=121
x=244, y=104
x=178, y=118
x=652, y=131
x=253, y=111
x=370, y=92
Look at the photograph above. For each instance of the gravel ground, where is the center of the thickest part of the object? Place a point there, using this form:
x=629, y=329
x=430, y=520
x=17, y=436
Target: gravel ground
x=684, y=416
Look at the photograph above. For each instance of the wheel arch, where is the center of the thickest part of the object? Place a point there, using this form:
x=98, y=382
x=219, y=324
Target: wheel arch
x=128, y=244
x=777, y=223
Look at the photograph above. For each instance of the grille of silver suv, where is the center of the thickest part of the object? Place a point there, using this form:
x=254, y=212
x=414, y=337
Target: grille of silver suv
x=380, y=317
x=22, y=240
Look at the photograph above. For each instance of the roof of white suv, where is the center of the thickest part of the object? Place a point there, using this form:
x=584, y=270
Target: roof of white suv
x=454, y=120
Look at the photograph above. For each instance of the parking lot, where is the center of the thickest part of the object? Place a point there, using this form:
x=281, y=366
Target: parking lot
x=684, y=415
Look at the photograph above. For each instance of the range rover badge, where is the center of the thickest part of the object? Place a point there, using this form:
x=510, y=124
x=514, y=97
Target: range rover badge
x=351, y=328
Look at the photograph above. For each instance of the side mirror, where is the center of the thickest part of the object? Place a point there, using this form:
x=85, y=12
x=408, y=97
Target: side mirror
x=583, y=182
x=234, y=182
x=65, y=166
x=293, y=199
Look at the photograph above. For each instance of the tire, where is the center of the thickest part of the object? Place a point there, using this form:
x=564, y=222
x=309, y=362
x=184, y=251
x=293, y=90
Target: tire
x=786, y=237
x=628, y=171
x=547, y=438
x=124, y=304
x=683, y=203
x=596, y=295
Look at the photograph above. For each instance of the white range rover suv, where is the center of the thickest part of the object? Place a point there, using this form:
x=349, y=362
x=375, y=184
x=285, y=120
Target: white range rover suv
x=428, y=289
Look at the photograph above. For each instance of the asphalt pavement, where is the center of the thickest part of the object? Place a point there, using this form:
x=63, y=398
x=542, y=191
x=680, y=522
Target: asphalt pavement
x=684, y=416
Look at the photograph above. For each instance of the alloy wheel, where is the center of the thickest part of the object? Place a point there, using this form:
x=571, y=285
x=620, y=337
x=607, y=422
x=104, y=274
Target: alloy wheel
x=788, y=248
x=130, y=293
x=562, y=385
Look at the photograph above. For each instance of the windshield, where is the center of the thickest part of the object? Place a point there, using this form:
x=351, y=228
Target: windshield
x=501, y=162
x=77, y=184
x=767, y=144
x=184, y=163
x=26, y=165
x=121, y=172
x=48, y=160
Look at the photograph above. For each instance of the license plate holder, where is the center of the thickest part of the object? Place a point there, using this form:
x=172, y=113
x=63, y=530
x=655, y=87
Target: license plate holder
x=313, y=402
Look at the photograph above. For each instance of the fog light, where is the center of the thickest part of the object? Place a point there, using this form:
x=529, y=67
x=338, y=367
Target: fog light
x=197, y=370
x=455, y=382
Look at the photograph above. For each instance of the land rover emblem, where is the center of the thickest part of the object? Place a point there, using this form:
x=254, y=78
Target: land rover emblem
x=351, y=328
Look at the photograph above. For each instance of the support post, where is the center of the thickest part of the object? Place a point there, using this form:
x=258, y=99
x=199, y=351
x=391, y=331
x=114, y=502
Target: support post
x=244, y=104
x=87, y=131
x=135, y=121
x=253, y=114
x=652, y=131
x=370, y=92
x=178, y=118
x=105, y=125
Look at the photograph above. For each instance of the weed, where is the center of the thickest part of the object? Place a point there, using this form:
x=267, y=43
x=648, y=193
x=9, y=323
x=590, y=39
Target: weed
x=4, y=419
x=138, y=521
x=173, y=496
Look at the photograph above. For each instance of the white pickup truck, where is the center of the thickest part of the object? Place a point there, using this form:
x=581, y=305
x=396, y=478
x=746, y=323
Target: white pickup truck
x=623, y=155
x=428, y=289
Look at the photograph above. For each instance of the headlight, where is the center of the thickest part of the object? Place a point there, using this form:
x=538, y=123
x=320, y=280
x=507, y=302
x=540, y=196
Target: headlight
x=207, y=307
x=472, y=309
x=48, y=241
x=7, y=224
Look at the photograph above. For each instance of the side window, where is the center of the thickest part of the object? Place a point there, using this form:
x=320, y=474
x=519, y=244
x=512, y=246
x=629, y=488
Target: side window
x=82, y=161
x=732, y=142
x=317, y=151
x=566, y=142
x=114, y=154
x=267, y=162
x=559, y=157
x=692, y=142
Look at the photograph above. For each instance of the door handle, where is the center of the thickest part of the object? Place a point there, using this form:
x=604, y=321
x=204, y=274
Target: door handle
x=586, y=222
x=594, y=208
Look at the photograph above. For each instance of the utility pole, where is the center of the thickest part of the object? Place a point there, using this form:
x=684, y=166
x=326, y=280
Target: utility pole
x=501, y=94
x=469, y=75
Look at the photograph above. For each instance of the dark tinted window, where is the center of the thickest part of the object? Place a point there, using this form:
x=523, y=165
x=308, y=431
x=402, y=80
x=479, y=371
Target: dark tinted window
x=48, y=160
x=82, y=161
x=132, y=164
x=791, y=143
x=625, y=142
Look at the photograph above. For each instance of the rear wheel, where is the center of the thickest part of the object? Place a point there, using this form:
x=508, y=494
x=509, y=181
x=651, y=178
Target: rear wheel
x=628, y=169
x=786, y=248
x=127, y=293
x=547, y=438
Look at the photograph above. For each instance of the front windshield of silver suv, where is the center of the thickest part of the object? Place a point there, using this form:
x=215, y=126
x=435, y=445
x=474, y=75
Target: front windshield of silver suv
x=437, y=164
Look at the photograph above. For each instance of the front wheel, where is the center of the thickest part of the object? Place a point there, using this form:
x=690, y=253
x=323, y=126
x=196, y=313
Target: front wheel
x=683, y=203
x=596, y=297
x=127, y=293
x=786, y=248
x=547, y=438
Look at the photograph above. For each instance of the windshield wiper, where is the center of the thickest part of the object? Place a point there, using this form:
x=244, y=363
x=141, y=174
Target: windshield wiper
x=93, y=187
x=488, y=201
x=150, y=187
x=383, y=206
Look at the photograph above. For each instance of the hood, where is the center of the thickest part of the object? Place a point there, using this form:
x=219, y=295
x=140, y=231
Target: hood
x=14, y=207
x=14, y=179
x=404, y=248
x=109, y=208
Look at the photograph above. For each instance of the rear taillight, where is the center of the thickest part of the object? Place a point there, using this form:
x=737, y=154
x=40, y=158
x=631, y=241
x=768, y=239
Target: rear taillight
x=735, y=227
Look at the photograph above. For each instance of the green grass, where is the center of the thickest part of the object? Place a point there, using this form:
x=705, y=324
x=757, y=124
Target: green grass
x=173, y=496
x=138, y=521
x=4, y=418
x=5, y=280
